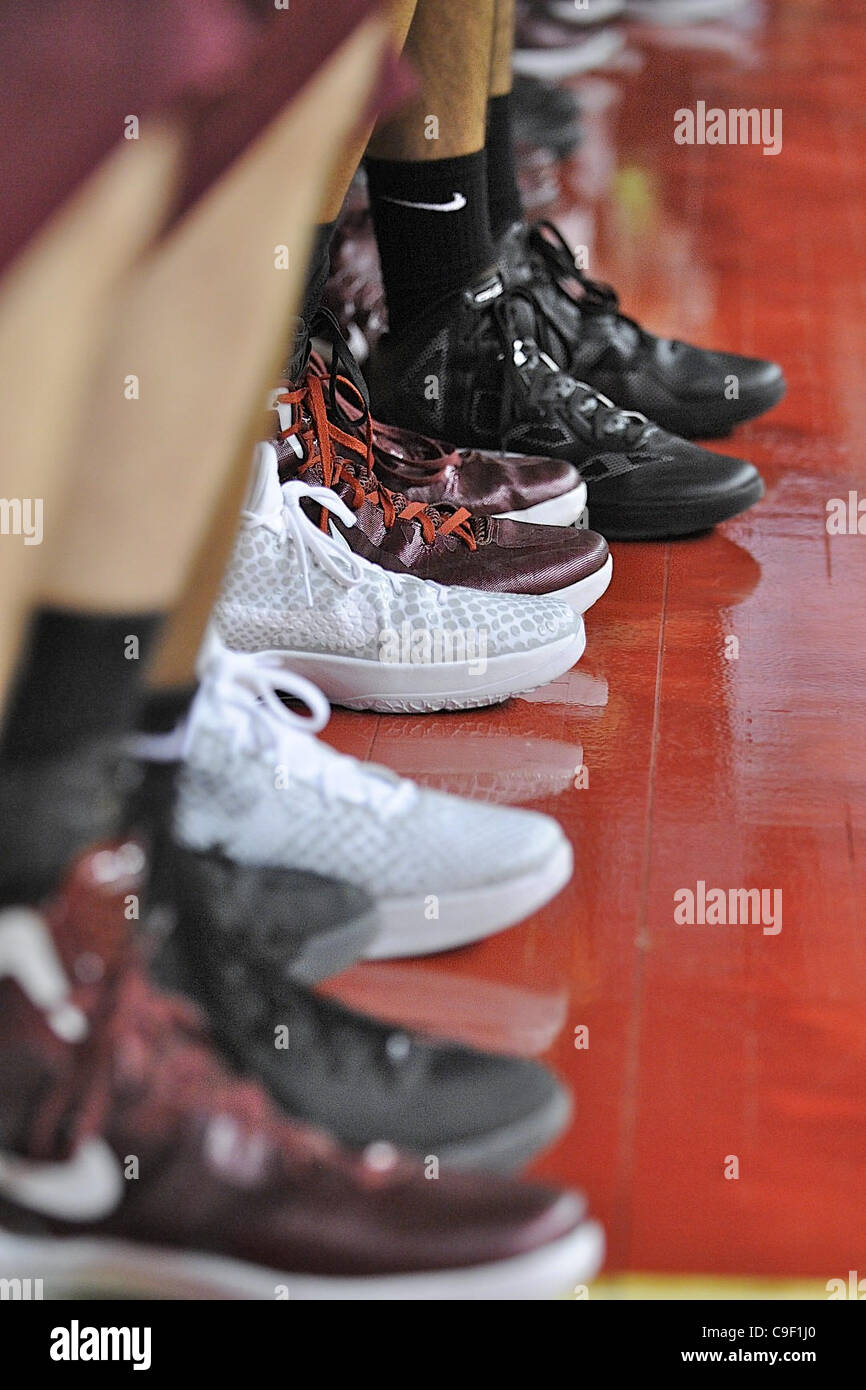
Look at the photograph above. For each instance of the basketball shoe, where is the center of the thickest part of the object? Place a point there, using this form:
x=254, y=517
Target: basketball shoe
x=256, y=786
x=496, y=387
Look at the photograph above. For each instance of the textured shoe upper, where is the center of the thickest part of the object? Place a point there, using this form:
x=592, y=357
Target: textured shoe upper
x=290, y=585
x=471, y=370
x=581, y=325
x=257, y=785
x=514, y=556
x=325, y=436
x=497, y=386
x=487, y=483
x=361, y=1079
x=276, y=912
x=263, y=605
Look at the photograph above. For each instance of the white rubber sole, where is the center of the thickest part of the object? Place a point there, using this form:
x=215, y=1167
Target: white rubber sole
x=556, y=511
x=469, y=915
x=591, y=52
x=112, y=1267
x=418, y=688
x=586, y=592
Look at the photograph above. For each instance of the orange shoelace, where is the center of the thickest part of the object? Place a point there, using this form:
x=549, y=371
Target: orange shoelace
x=325, y=443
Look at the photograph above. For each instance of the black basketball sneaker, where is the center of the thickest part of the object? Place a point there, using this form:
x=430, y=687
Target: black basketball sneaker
x=471, y=370
x=244, y=941
x=687, y=389
x=363, y=1080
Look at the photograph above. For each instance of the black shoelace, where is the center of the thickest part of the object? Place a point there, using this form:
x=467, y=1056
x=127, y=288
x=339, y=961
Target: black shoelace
x=597, y=297
x=533, y=383
x=554, y=254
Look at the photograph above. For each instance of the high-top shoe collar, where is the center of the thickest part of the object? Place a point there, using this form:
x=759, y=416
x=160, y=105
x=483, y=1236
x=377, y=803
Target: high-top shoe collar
x=324, y=435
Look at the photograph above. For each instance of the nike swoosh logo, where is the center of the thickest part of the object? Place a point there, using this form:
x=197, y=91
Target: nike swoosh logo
x=457, y=202
x=87, y=1187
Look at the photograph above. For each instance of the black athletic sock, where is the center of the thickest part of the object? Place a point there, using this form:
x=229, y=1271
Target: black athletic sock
x=149, y=813
x=432, y=228
x=80, y=678
x=64, y=775
x=318, y=270
x=163, y=710
x=503, y=195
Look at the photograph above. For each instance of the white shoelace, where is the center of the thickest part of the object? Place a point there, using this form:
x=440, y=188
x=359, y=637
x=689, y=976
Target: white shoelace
x=331, y=554
x=245, y=688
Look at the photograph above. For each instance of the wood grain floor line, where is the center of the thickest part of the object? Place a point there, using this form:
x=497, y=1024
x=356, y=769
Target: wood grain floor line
x=629, y=1116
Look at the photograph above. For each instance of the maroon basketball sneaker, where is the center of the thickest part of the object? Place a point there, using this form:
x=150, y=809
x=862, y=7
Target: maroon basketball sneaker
x=517, y=487
x=325, y=436
x=132, y=1161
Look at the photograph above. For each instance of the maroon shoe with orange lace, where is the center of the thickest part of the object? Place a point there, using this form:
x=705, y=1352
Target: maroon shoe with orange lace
x=132, y=1161
x=516, y=487
x=325, y=436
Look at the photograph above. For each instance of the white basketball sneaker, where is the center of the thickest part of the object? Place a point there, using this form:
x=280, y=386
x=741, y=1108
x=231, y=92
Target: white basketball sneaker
x=369, y=638
x=257, y=786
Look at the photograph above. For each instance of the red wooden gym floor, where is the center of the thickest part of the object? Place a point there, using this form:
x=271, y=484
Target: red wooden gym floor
x=748, y=771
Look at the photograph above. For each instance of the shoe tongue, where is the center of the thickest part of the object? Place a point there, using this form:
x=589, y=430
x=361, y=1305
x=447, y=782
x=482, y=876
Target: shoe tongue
x=297, y=361
x=525, y=348
x=313, y=473
x=523, y=321
x=512, y=261
x=523, y=330
x=263, y=489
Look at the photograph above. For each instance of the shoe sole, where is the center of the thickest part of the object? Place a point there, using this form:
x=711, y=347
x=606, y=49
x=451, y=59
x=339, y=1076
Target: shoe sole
x=665, y=523
x=591, y=53
x=556, y=511
x=469, y=915
x=410, y=688
x=588, y=591
x=510, y=1148
x=103, y=1267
